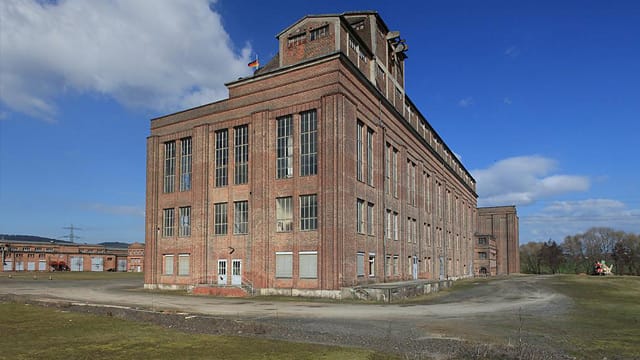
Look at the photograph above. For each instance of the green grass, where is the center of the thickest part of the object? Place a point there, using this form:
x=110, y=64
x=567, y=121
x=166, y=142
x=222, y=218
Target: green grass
x=33, y=332
x=605, y=318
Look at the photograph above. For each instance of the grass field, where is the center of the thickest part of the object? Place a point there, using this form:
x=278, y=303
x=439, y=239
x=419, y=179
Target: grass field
x=33, y=332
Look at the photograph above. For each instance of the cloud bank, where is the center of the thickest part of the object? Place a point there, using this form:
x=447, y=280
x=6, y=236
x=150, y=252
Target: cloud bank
x=155, y=55
x=523, y=180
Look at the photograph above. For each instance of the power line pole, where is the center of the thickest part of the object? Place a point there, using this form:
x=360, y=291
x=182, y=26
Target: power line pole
x=72, y=236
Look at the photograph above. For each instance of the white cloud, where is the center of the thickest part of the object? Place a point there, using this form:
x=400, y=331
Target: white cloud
x=523, y=180
x=507, y=101
x=561, y=218
x=466, y=102
x=157, y=55
x=512, y=52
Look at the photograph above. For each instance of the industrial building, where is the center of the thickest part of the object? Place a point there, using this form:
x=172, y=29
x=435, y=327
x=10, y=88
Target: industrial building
x=497, y=249
x=317, y=173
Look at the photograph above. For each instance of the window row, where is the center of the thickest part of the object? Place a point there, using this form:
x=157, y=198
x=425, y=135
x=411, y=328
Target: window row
x=169, y=264
x=364, y=151
x=365, y=217
x=308, y=205
x=308, y=145
x=313, y=35
x=307, y=264
x=241, y=151
x=370, y=265
x=184, y=221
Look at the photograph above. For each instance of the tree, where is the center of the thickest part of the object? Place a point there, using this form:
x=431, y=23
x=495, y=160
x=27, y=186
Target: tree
x=551, y=255
x=529, y=259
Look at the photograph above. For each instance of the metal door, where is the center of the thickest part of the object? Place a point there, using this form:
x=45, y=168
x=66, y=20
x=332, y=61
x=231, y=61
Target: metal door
x=122, y=264
x=222, y=272
x=97, y=264
x=77, y=263
x=236, y=272
x=414, y=270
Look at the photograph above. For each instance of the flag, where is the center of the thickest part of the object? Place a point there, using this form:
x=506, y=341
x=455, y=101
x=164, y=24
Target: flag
x=254, y=64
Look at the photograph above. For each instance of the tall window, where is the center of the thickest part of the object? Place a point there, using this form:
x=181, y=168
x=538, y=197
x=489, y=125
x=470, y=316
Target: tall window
x=284, y=264
x=308, y=143
x=411, y=183
x=360, y=129
x=185, y=164
x=370, y=156
x=168, y=264
x=389, y=229
x=284, y=144
x=427, y=192
x=372, y=265
x=183, y=264
x=220, y=219
x=370, y=225
x=387, y=169
x=308, y=264
x=409, y=232
x=168, y=221
x=360, y=264
x=394, y=173
x=308, y=212
x=284, y=214
x=241, y=154
x=360, y=216
x=395, y=225
x=169, y=166
x=222, y=157
x=185, y=221
x=241, y=217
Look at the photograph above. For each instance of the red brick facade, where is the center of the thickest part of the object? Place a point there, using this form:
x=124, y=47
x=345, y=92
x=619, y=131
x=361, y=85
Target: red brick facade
x=498, y=226
x=393, y=201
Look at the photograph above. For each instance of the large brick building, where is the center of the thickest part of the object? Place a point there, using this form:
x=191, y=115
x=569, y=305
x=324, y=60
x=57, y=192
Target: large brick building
x=497, y=246
x=317, y=173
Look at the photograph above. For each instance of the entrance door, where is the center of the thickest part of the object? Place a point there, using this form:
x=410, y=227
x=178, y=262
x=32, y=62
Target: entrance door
x=236, y=272
x=414, y=270
x=77, y=263
x=222, y=272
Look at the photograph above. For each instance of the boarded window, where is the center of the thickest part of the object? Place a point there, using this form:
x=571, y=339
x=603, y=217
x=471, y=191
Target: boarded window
x=308, y=264
x=360, y=264
x=168, y=264
x=183, y=264
x=284, y=265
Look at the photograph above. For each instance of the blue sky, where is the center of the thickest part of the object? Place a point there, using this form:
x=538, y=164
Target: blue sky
x=540, y=99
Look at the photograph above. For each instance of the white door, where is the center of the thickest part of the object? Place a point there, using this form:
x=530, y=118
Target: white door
x=31, y=266
x=42, y=265
x=122, y=264
x=77, y=263
x=414, y=270
x=222, y=272
x=236, y=272
x=97, y=264
x=8, y=265
x=19, y=266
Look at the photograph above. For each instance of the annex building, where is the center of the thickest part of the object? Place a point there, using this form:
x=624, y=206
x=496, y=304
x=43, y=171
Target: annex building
x=498, y=244
x=317, y=173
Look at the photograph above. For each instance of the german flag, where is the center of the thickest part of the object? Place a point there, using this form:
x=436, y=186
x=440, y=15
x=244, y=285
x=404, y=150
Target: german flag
x=254, y=64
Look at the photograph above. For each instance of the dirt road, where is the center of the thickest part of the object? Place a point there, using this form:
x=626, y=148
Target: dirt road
x=485, y=312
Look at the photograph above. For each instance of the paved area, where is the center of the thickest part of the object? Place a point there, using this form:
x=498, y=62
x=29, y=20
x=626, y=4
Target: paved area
x=471, y=314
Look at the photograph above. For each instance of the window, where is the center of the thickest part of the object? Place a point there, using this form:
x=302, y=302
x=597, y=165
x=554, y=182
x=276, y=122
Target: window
x=308, y=264
x=359, y=151
x=284, y=265
x=185, y=221
x=319, y=32
x=296, y=39
x=284, y=214
x=169, y=166
x=167, y=215
x=222, y=157
x=183, y=264
x=241, y=154
x=409, y=233
x=308, y=143
x=220, y=221
x=360, y=206
x=394, y=173
x=427, y=191
x=168, y=264
x=370, y=156
x=308, y=212
x=241, y=217
x=395, y=225
x=284, y=147
x=185, y=164
x=360, y=264
x=411, y=183
x=388, y=264
x=395, y=264
x=482, y=255
x=370, y=223
x=389, y=224
x=387, y=170
x=482, y=241
x=372, y=265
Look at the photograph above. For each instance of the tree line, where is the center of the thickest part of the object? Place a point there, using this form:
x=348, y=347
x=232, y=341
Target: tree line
x=579, y=253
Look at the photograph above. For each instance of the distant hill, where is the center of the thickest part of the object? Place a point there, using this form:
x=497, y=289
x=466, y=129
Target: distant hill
x=32, y=238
